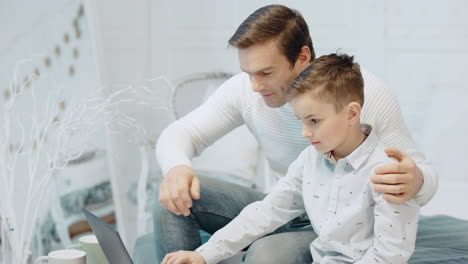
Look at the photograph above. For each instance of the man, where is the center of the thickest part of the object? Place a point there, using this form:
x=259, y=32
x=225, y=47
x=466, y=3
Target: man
x=274, y=47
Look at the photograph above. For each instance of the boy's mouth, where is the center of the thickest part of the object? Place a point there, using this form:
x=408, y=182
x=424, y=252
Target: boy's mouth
x=315, y=143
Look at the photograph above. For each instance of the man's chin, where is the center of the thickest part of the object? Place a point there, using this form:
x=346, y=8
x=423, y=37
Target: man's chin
x=273, y=103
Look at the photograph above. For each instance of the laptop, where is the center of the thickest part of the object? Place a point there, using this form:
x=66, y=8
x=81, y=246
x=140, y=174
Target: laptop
x=109, y=240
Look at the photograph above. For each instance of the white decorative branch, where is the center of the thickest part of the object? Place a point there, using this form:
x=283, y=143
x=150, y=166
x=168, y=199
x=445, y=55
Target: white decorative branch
x=50, y=137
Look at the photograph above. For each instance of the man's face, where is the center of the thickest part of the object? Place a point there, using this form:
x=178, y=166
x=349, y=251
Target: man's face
x=270, y=71
x=326, y=129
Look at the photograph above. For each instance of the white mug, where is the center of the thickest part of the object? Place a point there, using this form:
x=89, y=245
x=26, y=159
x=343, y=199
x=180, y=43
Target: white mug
x=94, y=253
x=65, y=256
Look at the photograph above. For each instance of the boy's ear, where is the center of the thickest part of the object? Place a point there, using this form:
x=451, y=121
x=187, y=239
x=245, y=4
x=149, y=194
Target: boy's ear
x=354, y=112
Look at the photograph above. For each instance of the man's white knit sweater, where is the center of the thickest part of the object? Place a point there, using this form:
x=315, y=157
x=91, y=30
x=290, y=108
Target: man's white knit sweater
x=278, y=131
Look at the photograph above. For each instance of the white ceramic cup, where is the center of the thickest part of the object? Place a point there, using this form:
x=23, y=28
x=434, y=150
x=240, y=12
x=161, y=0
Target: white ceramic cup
x=94, y=253
x=65, y=256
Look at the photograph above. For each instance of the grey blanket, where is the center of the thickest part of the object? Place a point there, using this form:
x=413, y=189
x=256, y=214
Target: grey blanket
x=441, y=239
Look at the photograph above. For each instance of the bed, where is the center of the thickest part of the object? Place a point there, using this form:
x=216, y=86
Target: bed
x=443, y=229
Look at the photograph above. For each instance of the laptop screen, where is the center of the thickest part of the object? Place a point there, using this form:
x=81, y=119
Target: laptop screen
x=109, y=240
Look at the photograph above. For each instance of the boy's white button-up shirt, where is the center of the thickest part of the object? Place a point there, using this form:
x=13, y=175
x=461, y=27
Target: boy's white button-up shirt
x=354, y=223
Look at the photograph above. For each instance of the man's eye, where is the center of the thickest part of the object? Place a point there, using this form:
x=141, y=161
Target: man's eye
x=266, y=73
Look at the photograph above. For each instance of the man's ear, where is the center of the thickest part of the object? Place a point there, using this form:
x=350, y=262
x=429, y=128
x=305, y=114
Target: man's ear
x=304, y=57
x=353, y=112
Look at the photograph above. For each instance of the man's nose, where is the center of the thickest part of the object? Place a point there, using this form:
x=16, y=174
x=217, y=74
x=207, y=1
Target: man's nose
x=257, y=84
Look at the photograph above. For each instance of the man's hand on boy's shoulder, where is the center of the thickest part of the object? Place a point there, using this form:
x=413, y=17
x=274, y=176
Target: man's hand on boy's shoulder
x=180, y=257
x=400, y=181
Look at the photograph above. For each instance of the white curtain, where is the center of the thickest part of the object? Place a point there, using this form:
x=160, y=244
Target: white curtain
x=120, y=37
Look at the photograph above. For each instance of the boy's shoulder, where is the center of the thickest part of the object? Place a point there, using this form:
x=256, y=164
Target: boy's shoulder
x=379, y=157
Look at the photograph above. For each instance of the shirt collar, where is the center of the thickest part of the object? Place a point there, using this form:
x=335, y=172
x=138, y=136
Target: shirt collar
x=361, y=153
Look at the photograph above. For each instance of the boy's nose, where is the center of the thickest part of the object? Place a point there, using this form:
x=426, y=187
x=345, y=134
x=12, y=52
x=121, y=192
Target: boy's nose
x=306, y=132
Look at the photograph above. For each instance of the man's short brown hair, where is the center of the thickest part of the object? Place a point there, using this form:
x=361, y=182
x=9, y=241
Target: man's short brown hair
x=335, y=78
x=272, y=21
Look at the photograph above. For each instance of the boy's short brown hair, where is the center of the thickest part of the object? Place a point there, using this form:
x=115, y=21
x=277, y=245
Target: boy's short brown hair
x=335, y=78
x=272, y=21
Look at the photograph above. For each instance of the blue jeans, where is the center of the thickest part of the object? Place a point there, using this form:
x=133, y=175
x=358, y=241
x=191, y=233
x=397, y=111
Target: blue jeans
x=221, y=202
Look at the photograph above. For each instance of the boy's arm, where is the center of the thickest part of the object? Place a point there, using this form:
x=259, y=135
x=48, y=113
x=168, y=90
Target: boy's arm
x=281, y=205
x=420, y=179
x=395, y=228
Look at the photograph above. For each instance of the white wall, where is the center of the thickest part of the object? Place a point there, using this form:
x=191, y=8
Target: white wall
x=31, y=31
x=418, y=47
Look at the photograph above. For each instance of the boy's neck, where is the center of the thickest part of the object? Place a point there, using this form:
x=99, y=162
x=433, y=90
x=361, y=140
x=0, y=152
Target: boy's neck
x=353, y=141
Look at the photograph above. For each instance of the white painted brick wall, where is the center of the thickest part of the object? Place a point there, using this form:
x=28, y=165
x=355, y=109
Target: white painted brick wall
x=420, y=48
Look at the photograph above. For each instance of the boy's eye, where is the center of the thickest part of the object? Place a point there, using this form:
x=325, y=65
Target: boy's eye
x=314, y=121
x=266, y=73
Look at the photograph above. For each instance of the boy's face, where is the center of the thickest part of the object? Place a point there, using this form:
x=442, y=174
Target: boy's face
x=270, y=71
x=322, y=125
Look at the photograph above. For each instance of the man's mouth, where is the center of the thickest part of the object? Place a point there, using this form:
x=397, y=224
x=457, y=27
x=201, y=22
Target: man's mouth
x=267, y=94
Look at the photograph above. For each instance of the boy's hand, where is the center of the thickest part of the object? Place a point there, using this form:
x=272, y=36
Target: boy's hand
x=178, y=188
x=400, y=181
x=180, y=257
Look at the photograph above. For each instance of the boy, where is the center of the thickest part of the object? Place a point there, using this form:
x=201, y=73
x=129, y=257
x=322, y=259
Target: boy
x=330, y=181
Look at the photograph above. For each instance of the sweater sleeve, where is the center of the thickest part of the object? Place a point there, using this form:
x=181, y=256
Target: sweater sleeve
x=384, y=109
x=190, y=135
